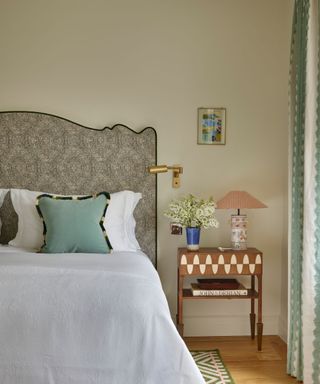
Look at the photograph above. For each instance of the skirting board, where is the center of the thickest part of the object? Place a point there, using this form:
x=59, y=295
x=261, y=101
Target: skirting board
x=226, y=325
x=283, y=328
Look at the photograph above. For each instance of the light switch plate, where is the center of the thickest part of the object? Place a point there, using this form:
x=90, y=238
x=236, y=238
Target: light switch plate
x=176, y=229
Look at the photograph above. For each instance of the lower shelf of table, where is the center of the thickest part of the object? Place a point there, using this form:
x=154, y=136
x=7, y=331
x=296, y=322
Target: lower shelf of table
x=187, y=294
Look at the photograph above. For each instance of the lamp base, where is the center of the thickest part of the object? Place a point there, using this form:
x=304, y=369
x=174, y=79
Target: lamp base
x=239, y=246
x=239, y=232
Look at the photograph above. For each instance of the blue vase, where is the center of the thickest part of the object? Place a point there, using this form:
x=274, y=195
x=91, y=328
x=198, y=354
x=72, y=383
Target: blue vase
x=193, y=238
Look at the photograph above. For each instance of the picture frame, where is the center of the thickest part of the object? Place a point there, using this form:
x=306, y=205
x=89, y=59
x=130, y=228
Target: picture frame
x=211, y=126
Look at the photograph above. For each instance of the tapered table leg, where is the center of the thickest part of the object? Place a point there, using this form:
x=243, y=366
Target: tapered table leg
x=259, y=324
x=252, y=314
x=252, y=324
x=259, y=331
x=180, y=327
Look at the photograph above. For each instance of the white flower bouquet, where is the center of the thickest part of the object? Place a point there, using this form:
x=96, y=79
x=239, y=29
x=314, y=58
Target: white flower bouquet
x=191, y=211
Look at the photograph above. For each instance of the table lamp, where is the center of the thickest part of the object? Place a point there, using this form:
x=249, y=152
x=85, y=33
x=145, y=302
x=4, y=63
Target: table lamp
x=238, y=200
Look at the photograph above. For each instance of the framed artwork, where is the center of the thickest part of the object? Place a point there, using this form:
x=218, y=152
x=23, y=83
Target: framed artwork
x=211, y=126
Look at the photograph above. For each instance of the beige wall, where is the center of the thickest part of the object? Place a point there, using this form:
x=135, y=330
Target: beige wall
x=148, y=62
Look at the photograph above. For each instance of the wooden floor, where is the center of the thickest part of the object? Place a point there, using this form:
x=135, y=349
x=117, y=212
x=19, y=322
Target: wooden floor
x=245, y=363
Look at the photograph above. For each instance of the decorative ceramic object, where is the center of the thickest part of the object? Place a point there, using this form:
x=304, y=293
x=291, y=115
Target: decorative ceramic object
x=193, y=213
x=239, y=231
x=193, y=238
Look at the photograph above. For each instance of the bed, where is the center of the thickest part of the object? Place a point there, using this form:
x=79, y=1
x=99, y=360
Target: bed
x=83, y=317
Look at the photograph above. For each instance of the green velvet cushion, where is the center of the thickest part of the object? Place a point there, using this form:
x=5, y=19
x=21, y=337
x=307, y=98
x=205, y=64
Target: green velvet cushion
x=74, y=224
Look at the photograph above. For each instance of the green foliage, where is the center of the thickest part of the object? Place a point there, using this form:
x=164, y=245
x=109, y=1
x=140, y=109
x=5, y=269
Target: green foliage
x=191, y=211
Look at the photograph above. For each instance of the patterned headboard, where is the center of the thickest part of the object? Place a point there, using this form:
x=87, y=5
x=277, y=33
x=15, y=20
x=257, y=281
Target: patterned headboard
x=43, y=152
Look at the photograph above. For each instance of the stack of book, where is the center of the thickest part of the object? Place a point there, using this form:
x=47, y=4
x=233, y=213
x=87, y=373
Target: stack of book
x=218, y=287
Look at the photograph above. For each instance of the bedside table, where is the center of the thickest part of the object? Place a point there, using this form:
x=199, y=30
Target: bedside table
x=210, y=262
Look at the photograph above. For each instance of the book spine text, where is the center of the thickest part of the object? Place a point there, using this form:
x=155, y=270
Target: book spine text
x=220, y=292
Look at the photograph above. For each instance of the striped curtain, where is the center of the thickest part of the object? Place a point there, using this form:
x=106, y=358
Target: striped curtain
x=304, y=216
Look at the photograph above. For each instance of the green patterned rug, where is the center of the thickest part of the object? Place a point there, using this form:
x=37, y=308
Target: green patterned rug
x=212, y=367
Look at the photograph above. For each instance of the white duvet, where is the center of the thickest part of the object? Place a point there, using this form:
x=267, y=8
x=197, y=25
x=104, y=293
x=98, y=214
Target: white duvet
x=87, y=319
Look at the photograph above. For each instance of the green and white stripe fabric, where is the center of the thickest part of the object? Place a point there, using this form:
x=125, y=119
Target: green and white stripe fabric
x=304, y=216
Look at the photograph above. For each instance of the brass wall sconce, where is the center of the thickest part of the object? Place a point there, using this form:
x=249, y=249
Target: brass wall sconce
x=176, y=171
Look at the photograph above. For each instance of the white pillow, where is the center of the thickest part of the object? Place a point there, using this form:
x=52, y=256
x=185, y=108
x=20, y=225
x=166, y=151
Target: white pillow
x=3, y=193
x=119, y=221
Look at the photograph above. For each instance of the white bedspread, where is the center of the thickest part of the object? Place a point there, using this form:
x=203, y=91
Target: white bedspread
x=87, y=319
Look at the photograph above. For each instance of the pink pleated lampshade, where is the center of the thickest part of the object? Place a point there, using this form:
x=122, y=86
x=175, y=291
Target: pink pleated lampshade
x=239, y=200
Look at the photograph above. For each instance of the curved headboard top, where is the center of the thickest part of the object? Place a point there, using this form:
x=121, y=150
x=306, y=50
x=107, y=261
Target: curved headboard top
x=47, y=153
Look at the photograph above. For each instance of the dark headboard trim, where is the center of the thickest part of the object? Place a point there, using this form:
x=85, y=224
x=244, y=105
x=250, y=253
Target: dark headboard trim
x=83, y=126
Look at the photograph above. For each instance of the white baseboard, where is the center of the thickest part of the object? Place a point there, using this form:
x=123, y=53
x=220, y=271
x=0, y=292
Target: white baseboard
x=283, y=328
x=226, y=325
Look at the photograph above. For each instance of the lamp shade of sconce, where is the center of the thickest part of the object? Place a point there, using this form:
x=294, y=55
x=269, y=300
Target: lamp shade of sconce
x=238, y=200
x=176, y=171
